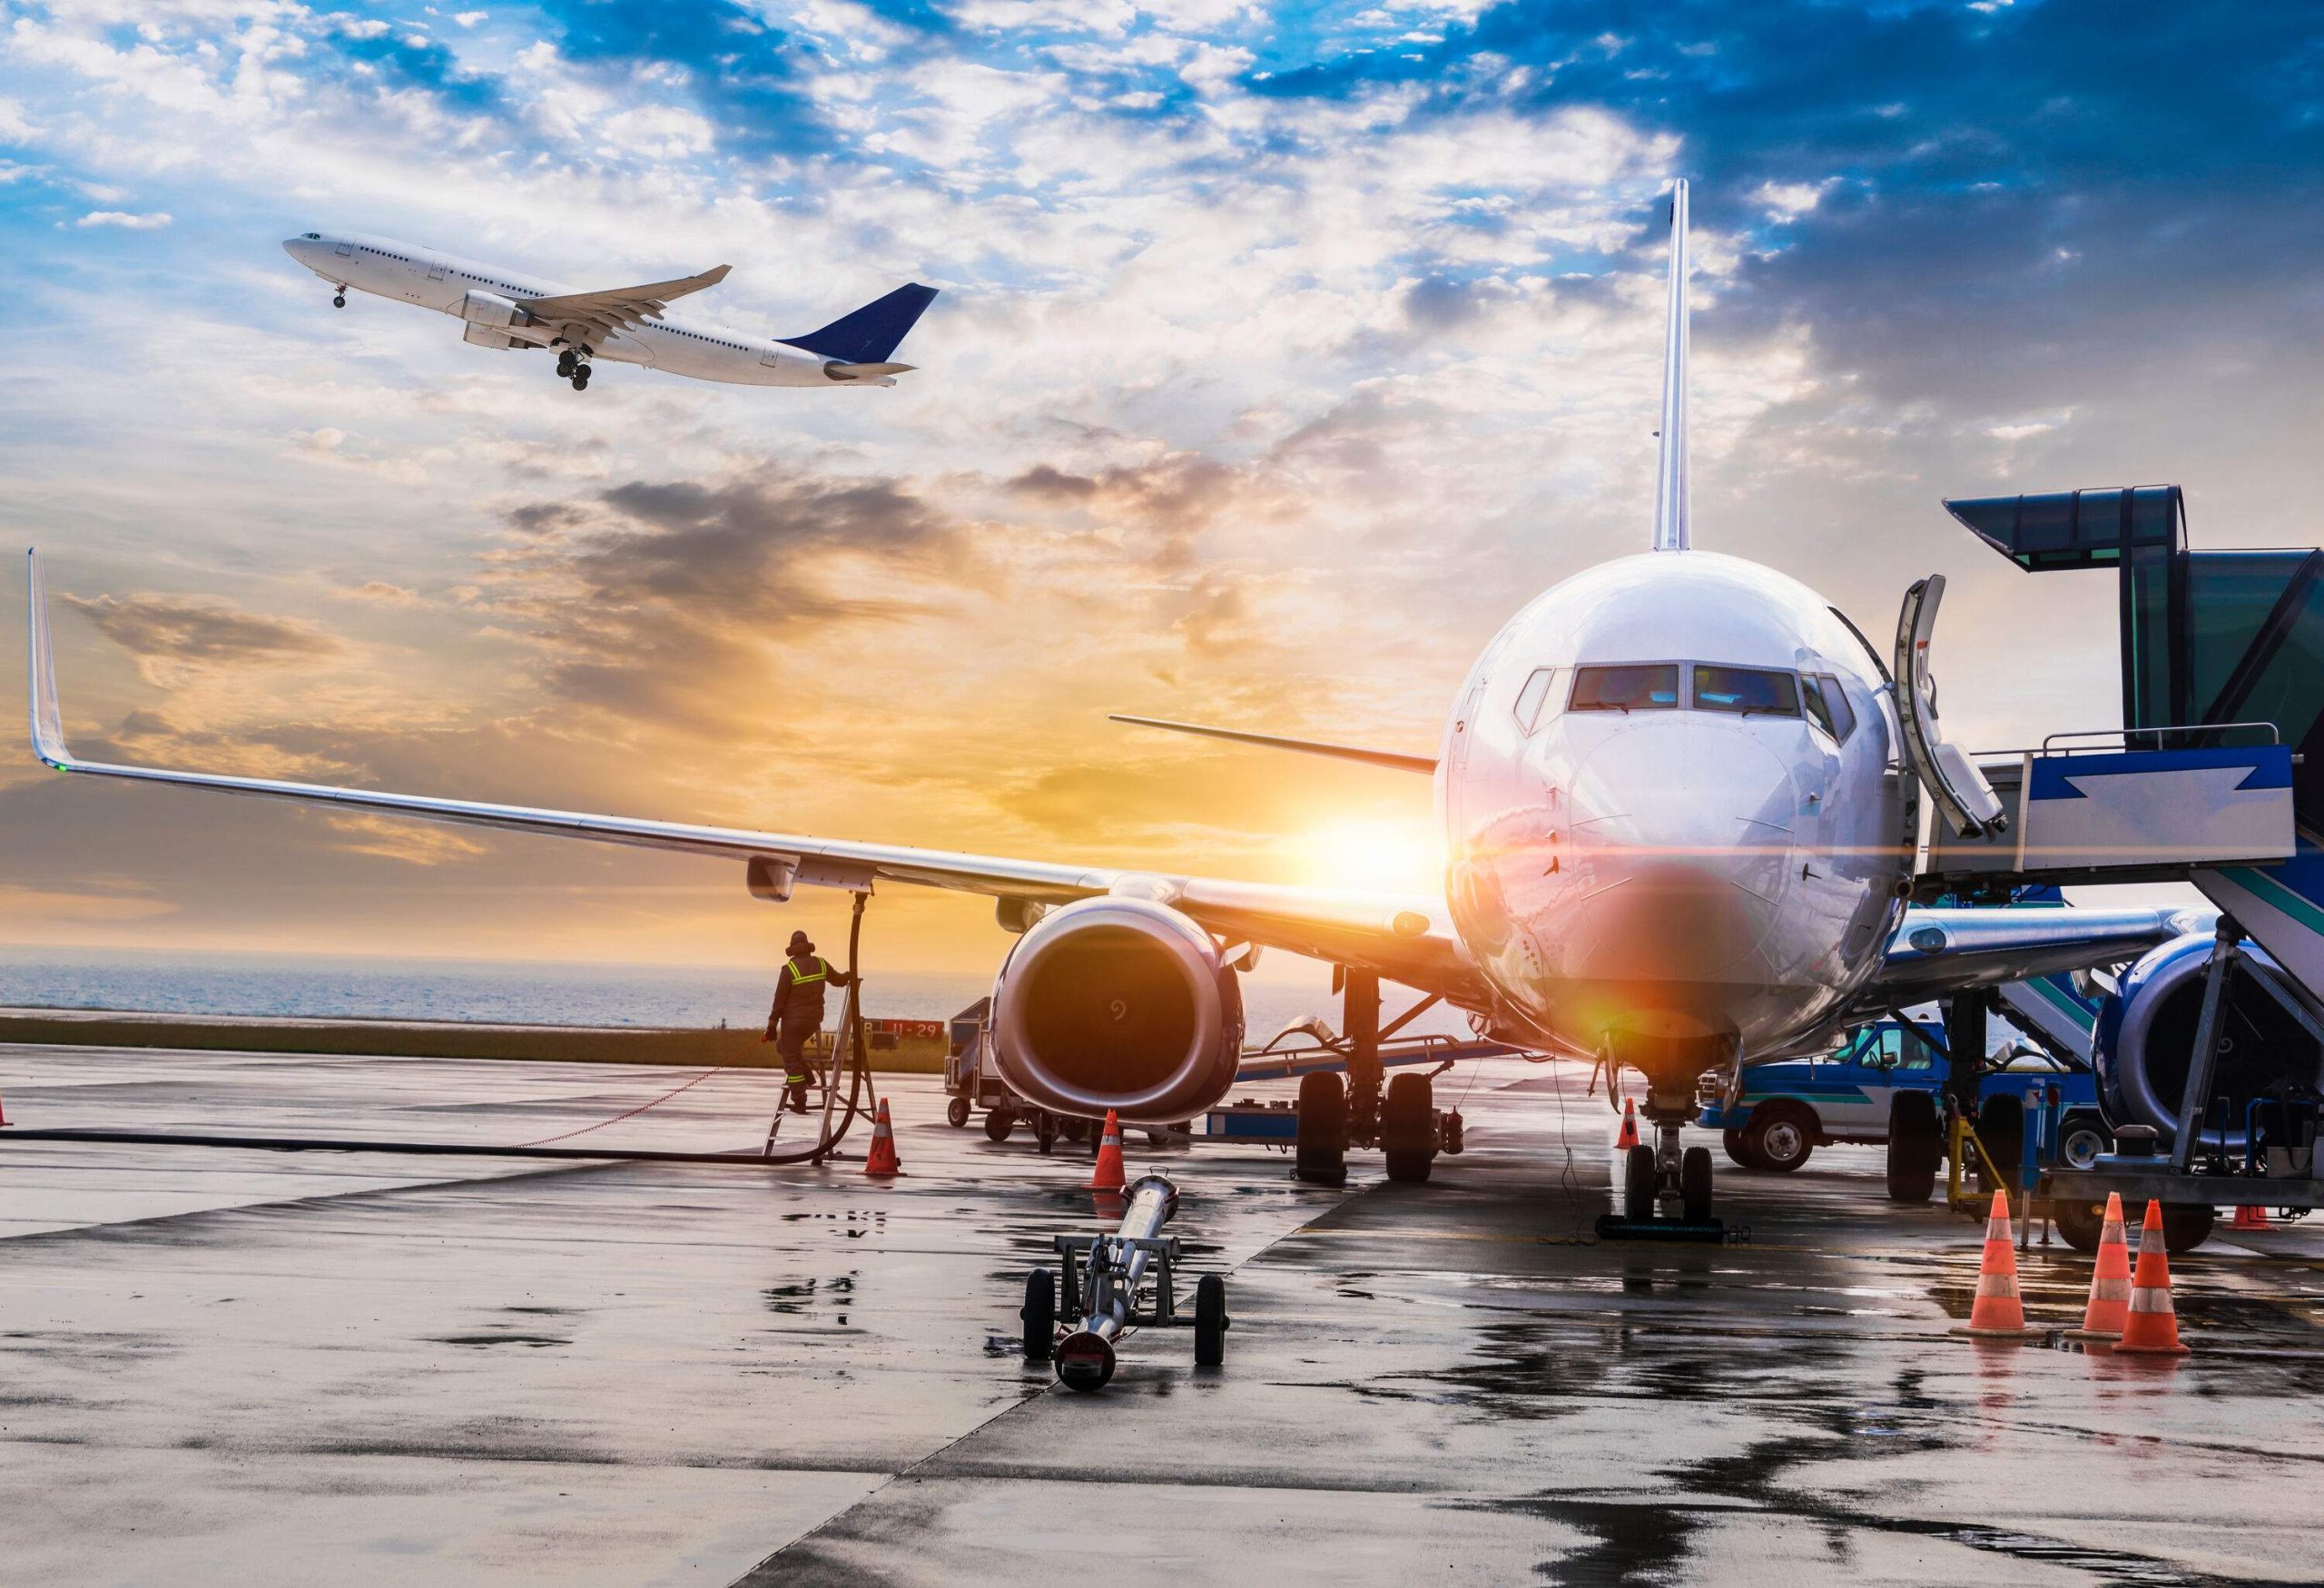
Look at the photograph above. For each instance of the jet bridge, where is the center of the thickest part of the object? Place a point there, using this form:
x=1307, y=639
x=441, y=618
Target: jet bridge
x=2216, y=775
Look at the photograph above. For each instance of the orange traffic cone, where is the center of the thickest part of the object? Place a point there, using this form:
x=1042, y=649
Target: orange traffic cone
x=1108, y=1174
x=2245, y=1218
x=1629, y=1137
x=4, y=1112
x=1997, y=1313
x=2150, y=1328
x=2109, y=1282
x=881, y=1160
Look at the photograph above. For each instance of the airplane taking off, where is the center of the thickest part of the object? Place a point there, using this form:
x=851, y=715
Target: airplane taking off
x=509, y=309
x=1680, y=799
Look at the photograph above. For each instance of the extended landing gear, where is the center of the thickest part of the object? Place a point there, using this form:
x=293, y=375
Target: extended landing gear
x=1666, y=1188
x=573, y=364
x=339, y=299
x=1410, y=1131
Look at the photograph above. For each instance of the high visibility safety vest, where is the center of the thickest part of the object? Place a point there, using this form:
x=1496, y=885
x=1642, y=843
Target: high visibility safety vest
x=796, y=977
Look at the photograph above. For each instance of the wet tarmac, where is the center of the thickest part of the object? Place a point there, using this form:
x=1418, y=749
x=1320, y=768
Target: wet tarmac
x=227, y=1365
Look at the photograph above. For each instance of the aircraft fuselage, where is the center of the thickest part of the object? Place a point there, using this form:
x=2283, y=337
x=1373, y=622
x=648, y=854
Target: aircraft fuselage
x=1675, y=816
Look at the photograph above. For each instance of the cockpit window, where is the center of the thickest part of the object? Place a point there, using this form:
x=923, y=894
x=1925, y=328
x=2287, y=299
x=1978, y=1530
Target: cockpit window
x=1648, y=686
x=312, y=236
x=1530, y=698
x=1748, y=691
x=1827, y=703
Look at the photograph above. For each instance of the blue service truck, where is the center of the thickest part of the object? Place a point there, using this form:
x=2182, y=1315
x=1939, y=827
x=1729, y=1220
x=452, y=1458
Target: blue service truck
x=1787, y=1109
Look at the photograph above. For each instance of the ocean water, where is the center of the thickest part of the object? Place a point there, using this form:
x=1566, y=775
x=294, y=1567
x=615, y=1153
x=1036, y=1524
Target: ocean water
x=512, y=994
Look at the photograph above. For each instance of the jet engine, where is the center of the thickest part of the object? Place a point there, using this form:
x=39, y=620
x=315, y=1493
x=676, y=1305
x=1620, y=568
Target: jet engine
x=2145, y=1039
x=1118, y=1004
x=492, y=309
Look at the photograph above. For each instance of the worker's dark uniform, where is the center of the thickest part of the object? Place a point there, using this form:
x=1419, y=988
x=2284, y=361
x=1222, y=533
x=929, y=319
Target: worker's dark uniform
x=797, y=1014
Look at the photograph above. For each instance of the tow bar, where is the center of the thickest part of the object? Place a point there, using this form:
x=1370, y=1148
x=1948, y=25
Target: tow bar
x=1116, y=1282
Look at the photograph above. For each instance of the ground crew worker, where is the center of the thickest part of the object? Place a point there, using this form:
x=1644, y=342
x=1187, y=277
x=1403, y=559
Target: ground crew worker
x=798, y=1013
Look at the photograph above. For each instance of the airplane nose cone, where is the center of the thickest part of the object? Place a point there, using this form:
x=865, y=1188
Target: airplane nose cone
x=1683, y=847
x=296, y=247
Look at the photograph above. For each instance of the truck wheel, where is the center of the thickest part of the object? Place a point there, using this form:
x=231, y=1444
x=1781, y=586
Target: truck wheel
x=2185, y=1227
x=1039, y=1315
x=1210, y=1321
x=1638, y=1185
x=999, y=1121
x=1408, y=1127
x=2080, y=1141
x=2082, y=1221
x=1779, y=1137
x=1738, y=1150
x=1322, y=1152
x=1693, y=1184
x=1916, y=1146
x=956, y=1112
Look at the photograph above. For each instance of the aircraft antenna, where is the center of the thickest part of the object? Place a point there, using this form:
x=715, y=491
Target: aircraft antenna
x=1673, y=529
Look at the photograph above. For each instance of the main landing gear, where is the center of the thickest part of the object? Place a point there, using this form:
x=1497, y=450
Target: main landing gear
x=573, y=364
x=1666, y=1188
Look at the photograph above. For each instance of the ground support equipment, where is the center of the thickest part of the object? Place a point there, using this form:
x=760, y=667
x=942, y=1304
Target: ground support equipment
x=1117, y=1282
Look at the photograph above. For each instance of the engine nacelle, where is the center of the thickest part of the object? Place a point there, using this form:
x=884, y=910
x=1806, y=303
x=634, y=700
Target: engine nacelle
x=478, y=336
x=2145, y=1039
x=492, y=309
x=1118, y=1004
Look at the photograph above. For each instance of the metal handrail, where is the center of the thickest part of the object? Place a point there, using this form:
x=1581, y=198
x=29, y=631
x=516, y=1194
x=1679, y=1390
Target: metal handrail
x=2275, y=735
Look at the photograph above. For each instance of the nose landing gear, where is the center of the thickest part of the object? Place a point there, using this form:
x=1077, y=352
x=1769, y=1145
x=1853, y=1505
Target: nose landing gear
x=1663, y=1175
x=339, y=299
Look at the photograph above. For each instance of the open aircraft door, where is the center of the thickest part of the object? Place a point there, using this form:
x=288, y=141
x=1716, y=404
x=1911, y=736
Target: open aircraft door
x=1952, y=779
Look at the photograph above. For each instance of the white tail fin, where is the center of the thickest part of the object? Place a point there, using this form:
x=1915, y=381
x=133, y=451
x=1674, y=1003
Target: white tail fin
x=1673, y=529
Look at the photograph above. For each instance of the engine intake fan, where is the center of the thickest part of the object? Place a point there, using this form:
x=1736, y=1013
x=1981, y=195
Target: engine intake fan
x=1118, y=1004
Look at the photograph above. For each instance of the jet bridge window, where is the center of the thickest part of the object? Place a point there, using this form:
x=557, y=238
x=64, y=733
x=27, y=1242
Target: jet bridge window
x=1650, y=686
x=1746, y=691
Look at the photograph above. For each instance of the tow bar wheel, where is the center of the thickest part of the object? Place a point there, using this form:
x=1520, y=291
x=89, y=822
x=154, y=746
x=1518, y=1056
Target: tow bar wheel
x=1210, y=1321
x=1039, y=1315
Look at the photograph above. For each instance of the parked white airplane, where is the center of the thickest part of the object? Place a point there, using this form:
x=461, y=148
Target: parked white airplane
x=1679, y=793
x=508, y=308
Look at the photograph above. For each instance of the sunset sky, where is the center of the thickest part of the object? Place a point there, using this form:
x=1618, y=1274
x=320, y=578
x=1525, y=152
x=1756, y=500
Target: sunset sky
x=1282, y=356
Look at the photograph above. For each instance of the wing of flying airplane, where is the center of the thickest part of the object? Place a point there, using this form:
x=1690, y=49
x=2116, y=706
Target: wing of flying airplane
x=1408, y=940
x=597, y=314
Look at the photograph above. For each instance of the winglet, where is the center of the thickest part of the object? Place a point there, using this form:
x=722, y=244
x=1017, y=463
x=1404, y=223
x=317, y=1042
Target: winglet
x=1673, y=529
x=48, y=730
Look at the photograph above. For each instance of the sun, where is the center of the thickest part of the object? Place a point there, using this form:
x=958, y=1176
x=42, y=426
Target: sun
x=1401, y=856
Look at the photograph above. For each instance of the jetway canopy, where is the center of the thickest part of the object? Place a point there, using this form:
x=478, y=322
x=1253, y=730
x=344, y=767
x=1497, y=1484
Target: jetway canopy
x=2210, y=640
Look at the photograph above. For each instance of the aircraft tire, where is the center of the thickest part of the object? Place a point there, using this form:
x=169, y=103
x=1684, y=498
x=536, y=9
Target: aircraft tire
x=1210, y=1321
x=1693, y=1184
x=1408, y=1129
x=1039, y=1313
x=1916, y=1146
x=1638, y=1184
x=1322, y=1151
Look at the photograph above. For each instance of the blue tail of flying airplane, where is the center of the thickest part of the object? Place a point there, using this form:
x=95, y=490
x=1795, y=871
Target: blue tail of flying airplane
x=869, y=334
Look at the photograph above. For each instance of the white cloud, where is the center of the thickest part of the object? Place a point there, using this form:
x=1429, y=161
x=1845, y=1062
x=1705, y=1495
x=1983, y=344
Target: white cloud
x=124, y=219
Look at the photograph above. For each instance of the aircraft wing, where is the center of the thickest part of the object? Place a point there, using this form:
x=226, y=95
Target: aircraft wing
x=598, y=314
x=1408, y=940
x=1941, y=951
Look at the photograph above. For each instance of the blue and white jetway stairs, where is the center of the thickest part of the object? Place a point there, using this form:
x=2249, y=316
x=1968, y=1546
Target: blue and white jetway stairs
x=2215, y=778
